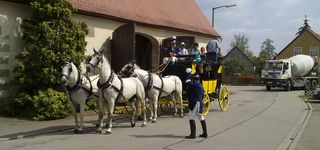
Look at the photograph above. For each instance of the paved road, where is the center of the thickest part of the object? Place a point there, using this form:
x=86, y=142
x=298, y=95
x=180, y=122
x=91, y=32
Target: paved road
x=256, y=120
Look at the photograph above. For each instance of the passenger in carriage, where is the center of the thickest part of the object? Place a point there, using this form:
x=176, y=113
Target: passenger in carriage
x=213, y=49
x=174, y=48
x=184, y=51
x=195, y=51
x=195, y=93
x=171, y=57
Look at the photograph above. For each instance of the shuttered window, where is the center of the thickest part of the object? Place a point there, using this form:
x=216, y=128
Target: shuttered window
x=297, y=50
x=314, y=51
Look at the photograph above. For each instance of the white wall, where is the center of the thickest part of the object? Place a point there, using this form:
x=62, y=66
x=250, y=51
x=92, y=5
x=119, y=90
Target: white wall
x=11, y=15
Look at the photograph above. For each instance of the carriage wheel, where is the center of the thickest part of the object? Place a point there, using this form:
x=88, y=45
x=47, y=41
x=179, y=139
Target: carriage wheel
x=223, y=98
x=206, y=104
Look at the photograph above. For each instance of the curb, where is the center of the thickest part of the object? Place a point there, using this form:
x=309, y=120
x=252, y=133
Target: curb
x=291, y=140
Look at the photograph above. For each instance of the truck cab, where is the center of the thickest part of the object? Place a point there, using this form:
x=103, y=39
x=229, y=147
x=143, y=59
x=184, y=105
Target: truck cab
x=276, y=73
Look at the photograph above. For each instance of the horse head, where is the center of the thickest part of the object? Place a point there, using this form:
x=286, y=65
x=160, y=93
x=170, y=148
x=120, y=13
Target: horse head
x=95, y=59
x=66, y=70
x=128, y=69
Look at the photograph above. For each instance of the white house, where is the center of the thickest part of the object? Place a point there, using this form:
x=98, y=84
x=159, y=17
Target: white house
x=127, y=29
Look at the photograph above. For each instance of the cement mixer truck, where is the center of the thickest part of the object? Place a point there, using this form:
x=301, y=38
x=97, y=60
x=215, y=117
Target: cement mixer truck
x=300, y=71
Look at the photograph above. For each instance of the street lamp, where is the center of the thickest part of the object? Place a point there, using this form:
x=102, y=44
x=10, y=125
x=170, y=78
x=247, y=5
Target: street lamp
x=226, y=6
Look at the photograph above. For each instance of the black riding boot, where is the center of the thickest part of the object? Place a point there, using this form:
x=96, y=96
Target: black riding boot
x=204, y=129
x=192, y=129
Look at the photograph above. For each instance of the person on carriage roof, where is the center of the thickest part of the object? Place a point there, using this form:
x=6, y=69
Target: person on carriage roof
x=195, y=93
x=173, y=47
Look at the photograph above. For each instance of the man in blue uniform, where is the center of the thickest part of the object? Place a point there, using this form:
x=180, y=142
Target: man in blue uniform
x=195, y=94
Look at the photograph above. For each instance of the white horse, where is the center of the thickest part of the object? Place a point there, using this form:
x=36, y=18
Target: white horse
x=157, y=87
x=78, y=89
x=114, y=89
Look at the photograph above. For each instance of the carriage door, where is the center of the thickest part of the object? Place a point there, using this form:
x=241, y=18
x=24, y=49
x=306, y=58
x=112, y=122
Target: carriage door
x=123, y=46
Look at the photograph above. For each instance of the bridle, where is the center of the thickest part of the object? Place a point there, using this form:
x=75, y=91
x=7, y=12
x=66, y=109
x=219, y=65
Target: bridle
x=69, y=67
x=99, y=60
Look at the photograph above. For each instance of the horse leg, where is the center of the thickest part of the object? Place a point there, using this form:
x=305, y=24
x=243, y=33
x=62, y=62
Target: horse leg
x=175, y=106
x=151, y=105
x=144, y=112
x=75, y=116
x=80, y=130
x=110, y=115
x=180, y=104
x=133, y=112
x=154, y=109
x=101, y=113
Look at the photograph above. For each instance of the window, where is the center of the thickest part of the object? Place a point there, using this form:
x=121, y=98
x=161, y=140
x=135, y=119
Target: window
x=4, y=73
x=4, y=59
x=297, y=50
x=314, y=51
x=4, y=48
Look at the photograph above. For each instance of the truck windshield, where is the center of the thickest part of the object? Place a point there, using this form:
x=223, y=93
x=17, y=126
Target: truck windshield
x=276, y=66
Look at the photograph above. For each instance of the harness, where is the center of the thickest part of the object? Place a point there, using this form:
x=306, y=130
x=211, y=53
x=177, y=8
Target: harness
x=108, y=84
x=78, y=86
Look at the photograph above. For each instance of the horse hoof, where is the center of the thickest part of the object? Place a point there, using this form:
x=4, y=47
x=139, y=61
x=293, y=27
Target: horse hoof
x=143, y=125
x=79, y=132
x=75, y=131
x=108, y=132
x=99, y=132
x=154, y=121
x=133, y=124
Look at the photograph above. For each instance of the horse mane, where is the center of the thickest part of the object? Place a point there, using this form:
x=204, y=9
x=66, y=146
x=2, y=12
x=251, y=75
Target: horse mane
x=136, y=66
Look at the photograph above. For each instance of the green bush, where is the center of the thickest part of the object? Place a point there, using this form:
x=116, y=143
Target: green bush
x=50, y=36
x=45, y=105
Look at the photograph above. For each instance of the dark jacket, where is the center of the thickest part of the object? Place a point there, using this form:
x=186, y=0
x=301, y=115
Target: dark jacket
x=195, y=94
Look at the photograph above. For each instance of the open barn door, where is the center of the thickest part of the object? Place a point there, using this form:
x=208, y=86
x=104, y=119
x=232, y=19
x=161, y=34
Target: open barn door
x=123, y=46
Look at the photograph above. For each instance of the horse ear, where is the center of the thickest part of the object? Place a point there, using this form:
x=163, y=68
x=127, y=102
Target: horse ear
x=94, y=50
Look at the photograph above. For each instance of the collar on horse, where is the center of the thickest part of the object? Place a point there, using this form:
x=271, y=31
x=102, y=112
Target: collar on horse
x=77, y=86
x=109, y=84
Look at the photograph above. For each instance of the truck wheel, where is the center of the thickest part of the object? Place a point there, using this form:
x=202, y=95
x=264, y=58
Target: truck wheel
x=314, y=84
x=268, y=88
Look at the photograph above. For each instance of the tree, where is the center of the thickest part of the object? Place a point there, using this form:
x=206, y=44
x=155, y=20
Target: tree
x=50, y=35
x=267, y=52
x=232, y=67
x=242, y=42
x=304, y=27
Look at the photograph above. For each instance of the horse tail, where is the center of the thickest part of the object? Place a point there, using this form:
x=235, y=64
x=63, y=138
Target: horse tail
x=178, y=85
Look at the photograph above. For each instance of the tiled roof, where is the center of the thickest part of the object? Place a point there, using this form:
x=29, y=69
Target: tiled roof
x=173, y=14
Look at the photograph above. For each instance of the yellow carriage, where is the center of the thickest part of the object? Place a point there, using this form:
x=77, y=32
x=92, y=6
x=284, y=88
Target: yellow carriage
x=211, y=78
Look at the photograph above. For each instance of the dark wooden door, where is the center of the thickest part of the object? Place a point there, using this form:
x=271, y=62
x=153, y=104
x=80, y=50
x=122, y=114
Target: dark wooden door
x=143, y=52
x=123, y=46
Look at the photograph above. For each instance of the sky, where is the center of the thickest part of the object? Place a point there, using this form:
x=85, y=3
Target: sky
x=278, y=20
